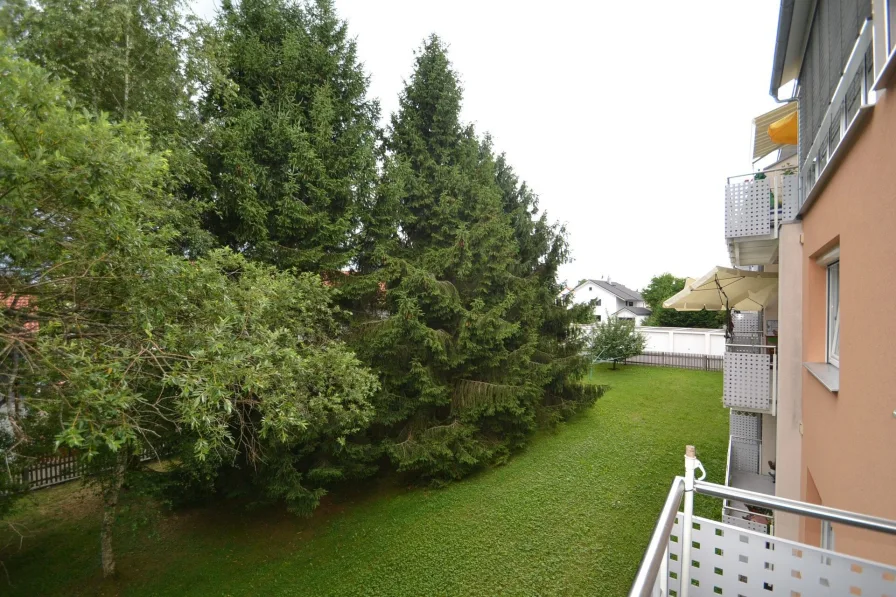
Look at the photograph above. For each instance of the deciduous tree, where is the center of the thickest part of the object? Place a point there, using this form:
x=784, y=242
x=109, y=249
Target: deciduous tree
x=665, y=286
x=130, y=59
x=136, y=348
x=616, y=340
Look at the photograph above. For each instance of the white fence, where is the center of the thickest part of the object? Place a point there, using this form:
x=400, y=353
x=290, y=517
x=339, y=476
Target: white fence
x=697, y=341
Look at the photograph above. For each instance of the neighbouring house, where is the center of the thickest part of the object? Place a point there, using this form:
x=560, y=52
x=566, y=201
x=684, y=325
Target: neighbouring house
x=612, y=300
x=809, y=371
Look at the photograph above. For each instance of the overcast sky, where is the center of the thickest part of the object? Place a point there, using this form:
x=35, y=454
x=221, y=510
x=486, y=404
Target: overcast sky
x=625, y=117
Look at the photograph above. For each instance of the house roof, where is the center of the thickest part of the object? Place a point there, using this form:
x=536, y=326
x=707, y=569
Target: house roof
x=615, y=288
x=635, y=311
x=794, y=17
x=19, y=302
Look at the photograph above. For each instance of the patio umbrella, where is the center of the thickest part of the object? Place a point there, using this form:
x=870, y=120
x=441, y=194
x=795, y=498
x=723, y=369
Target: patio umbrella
x=725, y=288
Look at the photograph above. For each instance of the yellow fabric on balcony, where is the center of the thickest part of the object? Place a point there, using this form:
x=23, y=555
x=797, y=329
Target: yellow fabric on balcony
x=785, y=131
x=762, y=144
x=726, y=288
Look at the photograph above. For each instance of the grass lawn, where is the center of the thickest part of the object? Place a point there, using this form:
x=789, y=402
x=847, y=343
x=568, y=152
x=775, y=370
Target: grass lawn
x=569, y=516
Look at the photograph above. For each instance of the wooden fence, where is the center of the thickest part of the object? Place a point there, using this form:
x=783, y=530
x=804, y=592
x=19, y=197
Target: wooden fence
x=54, y=470
x=681, y=360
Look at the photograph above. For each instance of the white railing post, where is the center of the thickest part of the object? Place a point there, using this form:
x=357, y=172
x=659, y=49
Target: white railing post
x=687, y=525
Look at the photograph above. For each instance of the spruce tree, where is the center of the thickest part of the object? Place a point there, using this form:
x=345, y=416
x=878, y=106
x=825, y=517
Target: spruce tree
x=559, y=346
x=460, y=324
x=291, y=152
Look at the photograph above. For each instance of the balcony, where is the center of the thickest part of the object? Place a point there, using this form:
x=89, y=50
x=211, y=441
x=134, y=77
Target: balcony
x=743, y=472
x=690, y=556
x=750, y=383
x=755, y=206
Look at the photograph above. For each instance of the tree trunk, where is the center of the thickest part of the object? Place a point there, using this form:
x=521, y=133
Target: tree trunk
x=110, y=510
x=127, y=62
x=614, y=364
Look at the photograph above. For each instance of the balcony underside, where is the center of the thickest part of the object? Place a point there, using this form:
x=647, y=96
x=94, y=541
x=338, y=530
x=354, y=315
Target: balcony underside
x=753, y=250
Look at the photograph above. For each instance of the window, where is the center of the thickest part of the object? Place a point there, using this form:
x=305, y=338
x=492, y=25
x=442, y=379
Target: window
x=629, y=303
x=598, y=319
x=590, y=289
x=833, y=307
x=598, y=302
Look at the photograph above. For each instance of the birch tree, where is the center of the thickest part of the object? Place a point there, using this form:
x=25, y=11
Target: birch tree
x=129, y=59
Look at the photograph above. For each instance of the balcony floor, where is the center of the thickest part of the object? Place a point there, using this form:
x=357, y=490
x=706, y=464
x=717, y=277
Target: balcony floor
x=752, y=482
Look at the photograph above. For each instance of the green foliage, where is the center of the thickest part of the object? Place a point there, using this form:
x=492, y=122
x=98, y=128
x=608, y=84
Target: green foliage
x=572, y=516
x=292, y=134
x=663, y=287
x=129, y=59
x=616, y=339
x=122, y=57
x=10, y=490
x=258, y=130
x=455, y=297
x=232, y=361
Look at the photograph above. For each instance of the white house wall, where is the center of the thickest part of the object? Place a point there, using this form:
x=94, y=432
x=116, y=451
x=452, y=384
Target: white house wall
x=610, y=303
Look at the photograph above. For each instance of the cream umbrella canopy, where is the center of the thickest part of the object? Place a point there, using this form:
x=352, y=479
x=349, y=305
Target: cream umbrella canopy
x=725, y=288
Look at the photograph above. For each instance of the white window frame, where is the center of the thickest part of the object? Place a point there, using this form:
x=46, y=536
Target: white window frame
x=831, y=262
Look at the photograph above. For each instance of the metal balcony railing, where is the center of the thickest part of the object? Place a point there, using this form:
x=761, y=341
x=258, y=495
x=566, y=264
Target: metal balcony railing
x=743, y=471
x=690, y=556
x=853, y=95
x=746, y=323
x=757, y=203
x=750, y=378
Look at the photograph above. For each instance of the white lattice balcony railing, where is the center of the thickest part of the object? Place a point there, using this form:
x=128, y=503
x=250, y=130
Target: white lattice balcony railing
x=744, y=471
x=756, y=204
x=747, y=323
x=750, y=378
x=690, y=556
